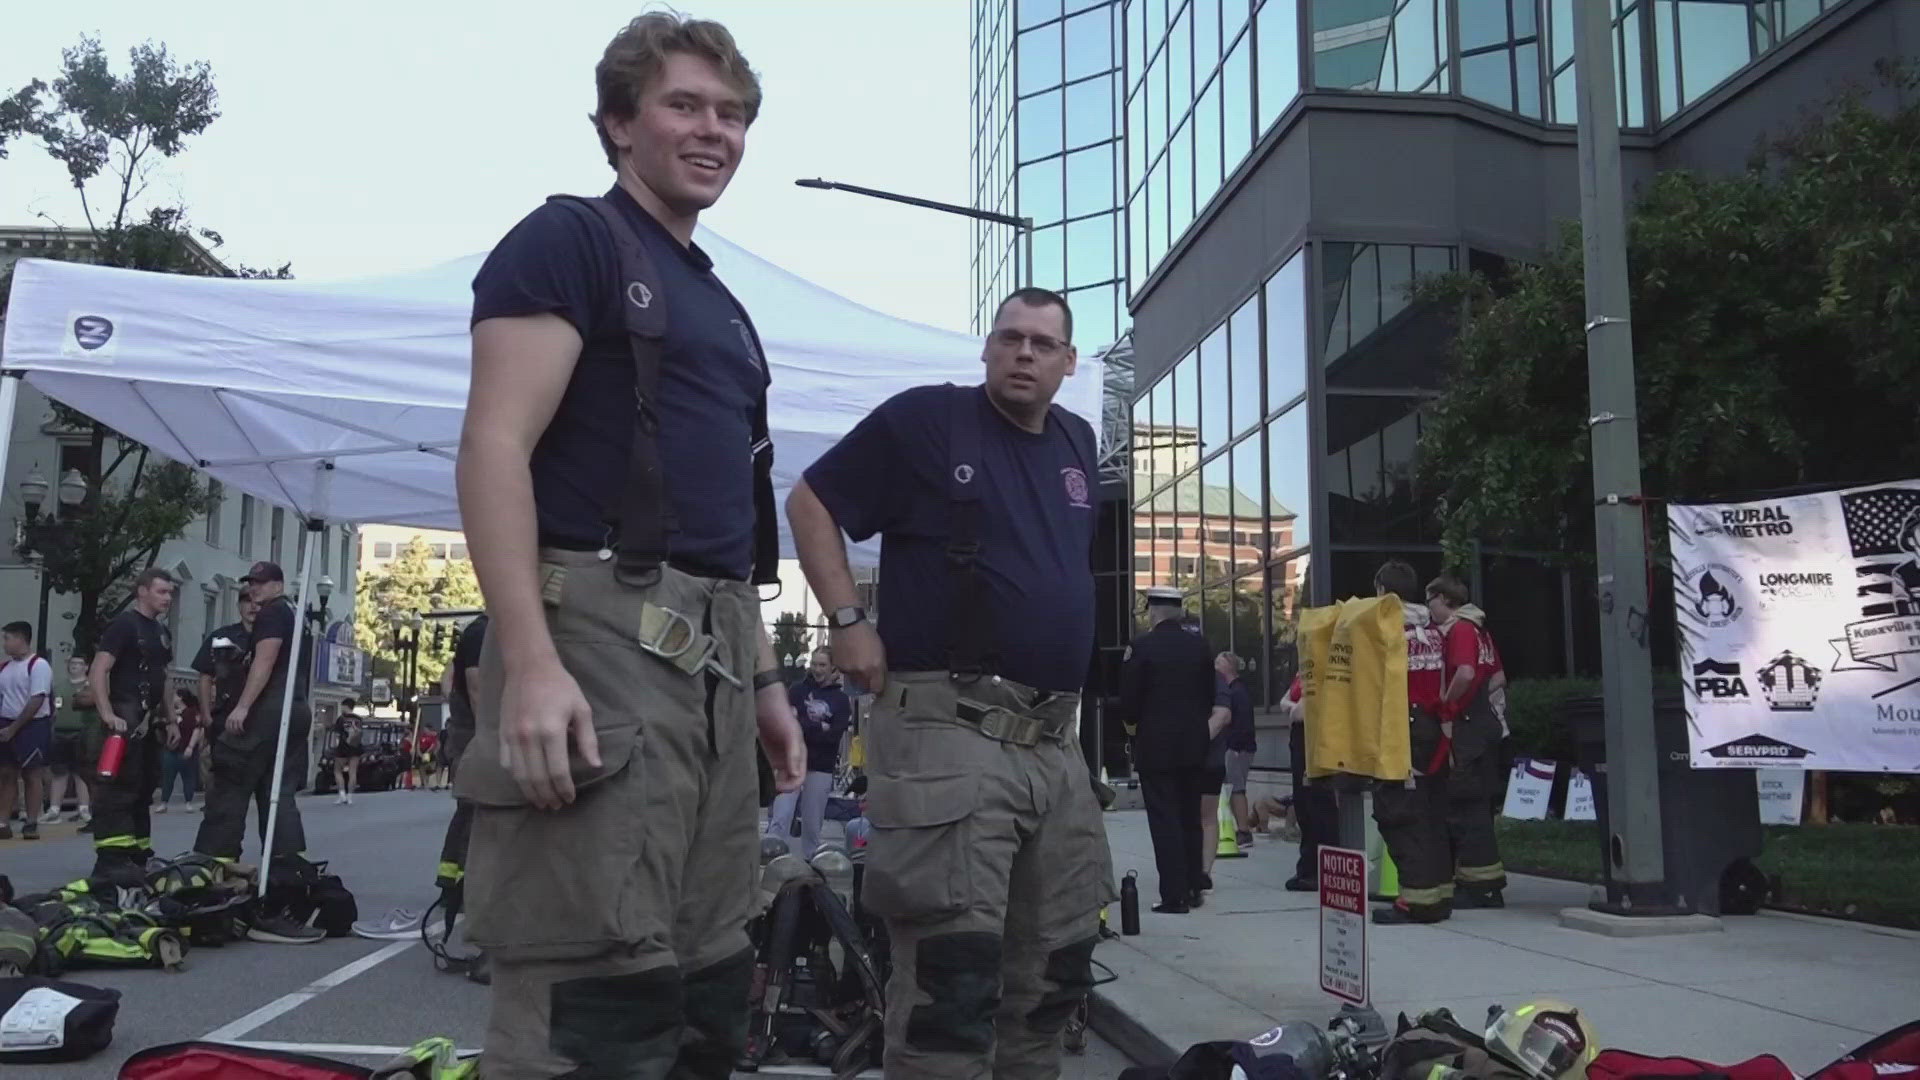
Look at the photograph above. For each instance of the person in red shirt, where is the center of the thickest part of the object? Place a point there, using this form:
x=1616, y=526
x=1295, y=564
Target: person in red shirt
x=1412, y=814
x=1473, y=671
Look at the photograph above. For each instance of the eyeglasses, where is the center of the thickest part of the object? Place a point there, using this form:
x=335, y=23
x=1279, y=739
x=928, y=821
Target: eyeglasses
x=1044, y=347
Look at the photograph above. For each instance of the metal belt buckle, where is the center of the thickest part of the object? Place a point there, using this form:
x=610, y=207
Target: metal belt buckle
x=674, y=638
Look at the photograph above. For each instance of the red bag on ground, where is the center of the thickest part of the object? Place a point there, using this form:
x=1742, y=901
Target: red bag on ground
x=1623, y=1065
x=1889, y=1056
x=216, y=1061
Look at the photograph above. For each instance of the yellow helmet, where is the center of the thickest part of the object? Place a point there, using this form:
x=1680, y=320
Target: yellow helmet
x=1545, y=1039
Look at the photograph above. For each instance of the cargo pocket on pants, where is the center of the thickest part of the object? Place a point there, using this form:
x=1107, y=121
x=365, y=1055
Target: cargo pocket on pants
x=917, y=855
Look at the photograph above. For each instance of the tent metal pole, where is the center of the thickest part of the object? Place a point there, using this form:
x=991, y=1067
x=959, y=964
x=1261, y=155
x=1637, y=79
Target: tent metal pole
x=9, y=402
x=314, y=525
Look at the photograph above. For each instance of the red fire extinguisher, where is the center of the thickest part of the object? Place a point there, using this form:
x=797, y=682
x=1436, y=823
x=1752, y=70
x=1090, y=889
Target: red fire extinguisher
x=111, y=752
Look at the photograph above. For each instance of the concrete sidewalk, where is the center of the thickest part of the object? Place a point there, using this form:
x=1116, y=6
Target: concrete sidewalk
x=1805, y=989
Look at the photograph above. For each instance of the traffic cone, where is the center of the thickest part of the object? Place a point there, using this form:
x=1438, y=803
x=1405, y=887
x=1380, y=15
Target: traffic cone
x=1389, y=881
x=1229, y=846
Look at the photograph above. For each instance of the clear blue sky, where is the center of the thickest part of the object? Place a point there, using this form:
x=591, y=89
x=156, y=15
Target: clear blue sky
x=360, y=138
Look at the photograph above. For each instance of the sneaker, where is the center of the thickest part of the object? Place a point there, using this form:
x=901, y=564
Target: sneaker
x=398, y=925
x=1243, y=837
x=6, y=831
x=161, y=809
x=279, y=930
x=87, y=827
x=51, y=817
x=1479, y=898
x=85, y=813
x=479, y=970
x=1303, y=884
x=30, y=831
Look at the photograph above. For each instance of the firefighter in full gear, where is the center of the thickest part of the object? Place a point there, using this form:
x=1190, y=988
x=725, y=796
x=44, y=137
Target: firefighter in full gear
x=222, y=665
x=1471, y=671
x=1412, y=814
x=129, y=680
x=451, y=875
x=988, y=858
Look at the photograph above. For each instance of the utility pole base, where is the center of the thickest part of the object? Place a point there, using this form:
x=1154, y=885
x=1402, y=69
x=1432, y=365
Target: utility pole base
x=1613, y=924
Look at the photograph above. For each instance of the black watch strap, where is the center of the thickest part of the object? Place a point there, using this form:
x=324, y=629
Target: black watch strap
x=769, y=677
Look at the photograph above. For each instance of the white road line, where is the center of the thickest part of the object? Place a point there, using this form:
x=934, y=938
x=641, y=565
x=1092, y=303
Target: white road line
x=267, y=1013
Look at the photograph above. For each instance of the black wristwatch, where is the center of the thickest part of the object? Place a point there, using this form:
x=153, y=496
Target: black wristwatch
x=769, y=677
x=848, y=616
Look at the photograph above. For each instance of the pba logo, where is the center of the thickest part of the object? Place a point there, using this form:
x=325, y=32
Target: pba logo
x=1717, y=682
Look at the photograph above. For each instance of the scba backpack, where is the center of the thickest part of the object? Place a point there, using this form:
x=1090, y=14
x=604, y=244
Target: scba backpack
x=304, y=892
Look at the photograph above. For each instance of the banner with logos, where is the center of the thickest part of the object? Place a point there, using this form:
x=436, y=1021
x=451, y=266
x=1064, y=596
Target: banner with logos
x=1800, y=629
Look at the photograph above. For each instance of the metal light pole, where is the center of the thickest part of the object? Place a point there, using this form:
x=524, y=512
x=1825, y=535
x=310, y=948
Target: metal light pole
x=1633, y=819
x=1023, y=224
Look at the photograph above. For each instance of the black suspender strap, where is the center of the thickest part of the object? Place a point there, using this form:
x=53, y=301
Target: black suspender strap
x=644, y=522
x=971, y=645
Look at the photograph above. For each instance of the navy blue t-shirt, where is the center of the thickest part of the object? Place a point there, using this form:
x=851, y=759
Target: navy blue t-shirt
x=889, y=476
x=712, y=375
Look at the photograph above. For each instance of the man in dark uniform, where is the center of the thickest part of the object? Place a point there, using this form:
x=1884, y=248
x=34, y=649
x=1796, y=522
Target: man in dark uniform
x=614, y=489
x=129, y=680
x=246, y=737
x=988, y=858
x=222, y=664
x=462, y=674
x=1168, y=692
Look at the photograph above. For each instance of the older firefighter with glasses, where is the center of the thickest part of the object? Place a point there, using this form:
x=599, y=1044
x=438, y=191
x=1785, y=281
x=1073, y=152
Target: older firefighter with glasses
x=615, y=481
x=988, y=858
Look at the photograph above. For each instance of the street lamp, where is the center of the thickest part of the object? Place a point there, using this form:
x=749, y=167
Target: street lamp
x=318, y=615
x=34, y=533
x=1023, y=224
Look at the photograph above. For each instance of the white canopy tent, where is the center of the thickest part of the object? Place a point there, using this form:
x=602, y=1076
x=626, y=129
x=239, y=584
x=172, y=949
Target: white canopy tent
x=343, y=402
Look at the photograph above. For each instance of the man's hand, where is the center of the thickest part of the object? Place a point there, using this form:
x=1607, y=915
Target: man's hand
x=7, y=733
x=114, y=723
x=237, y=720
x=780, y=735
x=858, y=654
x=540, y=710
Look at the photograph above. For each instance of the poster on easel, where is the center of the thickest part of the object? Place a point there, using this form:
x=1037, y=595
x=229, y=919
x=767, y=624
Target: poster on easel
x=1580, y=797
x=1782, y=795
x=1528, y=788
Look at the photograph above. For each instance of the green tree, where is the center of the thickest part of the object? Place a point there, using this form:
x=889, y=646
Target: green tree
x=110, y=131
x=1775, y=316
x=791, y=635
x=409, y=584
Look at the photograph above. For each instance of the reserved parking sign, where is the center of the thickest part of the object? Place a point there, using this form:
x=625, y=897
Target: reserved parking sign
x=1343, y=923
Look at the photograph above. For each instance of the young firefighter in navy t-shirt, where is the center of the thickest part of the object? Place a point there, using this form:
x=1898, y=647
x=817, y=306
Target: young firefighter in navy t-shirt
x=610, y=876
x=989, y=859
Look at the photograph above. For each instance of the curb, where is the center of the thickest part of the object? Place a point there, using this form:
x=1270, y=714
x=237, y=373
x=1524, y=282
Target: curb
x=1132, y=1038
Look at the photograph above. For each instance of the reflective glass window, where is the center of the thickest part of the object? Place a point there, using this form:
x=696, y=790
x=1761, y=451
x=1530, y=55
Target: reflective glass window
x=1090, y=180
x=1156, y=196
x=1156, y=92
x=1040, y=126
x=1206, y=37
x=1278, y=23
x=1090, y=250
x=1136, y=241
x=1180, y=63
x=1089, y=43
x=1632, y=81
x=1180, y=167
x=1090, y=112
x=1156, y=21
x=1039, y=60
x=1174, y=533
x=1233, y=16
x=1040, y=192
x=1526, y=67
x=1482, y=23
x=1250, y=515
x=1143, y=545
x=1214, y=615
x=1137, y=42
x=1186, y=405
x=1037, y=11
x=1164, y=464
x=1713, y=45
x=1095, y=315
x=1236, y=106
x=1286, y=331
x=1137, y=140
x=1288, y=468
x=1050, y=258
x=1243, y=351
x=1215, y=519
x=1488, y=77
x=1286, y=596
x=1369, y=468
x=1215, y=391
x=1207, y=172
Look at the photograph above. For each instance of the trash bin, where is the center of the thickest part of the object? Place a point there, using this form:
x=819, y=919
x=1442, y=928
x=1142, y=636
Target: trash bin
x=1709, y=818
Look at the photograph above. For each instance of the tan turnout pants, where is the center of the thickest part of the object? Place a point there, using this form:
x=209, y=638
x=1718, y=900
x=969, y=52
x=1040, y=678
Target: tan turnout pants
x=617, y=925
x=989, y=862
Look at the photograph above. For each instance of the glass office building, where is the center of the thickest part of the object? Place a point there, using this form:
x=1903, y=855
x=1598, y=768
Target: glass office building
x=1046, y=145
x=1291, y=168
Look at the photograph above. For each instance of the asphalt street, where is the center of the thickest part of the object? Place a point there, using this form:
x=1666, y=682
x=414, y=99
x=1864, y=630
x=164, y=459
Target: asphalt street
x=345, y=998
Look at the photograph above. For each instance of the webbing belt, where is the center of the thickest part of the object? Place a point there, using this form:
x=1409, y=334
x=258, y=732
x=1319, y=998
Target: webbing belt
x=1044, y=721
x=661, y=632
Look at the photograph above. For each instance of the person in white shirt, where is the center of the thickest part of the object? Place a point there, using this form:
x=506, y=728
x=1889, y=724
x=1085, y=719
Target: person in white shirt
x=26, y=726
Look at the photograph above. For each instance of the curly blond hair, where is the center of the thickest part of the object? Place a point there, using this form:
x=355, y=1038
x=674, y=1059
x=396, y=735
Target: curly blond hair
x=637, y=53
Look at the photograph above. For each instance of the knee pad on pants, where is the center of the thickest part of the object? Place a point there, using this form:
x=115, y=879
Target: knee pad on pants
x=961, y=973
x=1070, y=970
x=611, y=1023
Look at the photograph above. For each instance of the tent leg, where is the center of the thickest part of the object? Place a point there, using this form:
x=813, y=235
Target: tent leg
x=314, y=525
x=9, y=403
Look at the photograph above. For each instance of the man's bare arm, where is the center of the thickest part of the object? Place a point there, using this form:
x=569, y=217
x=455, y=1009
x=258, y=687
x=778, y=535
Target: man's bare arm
x=102, y=694
x=265, y=652
x=822, y=550
x=521, y=367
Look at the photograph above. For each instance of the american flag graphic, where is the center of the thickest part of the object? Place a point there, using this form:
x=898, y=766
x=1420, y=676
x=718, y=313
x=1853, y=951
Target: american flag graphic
x=1878, y=523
